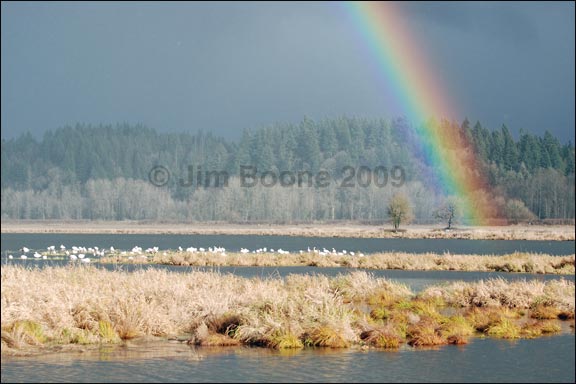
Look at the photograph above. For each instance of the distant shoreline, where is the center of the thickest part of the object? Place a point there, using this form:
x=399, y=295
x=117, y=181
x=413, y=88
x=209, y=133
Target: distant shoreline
x=343, y=230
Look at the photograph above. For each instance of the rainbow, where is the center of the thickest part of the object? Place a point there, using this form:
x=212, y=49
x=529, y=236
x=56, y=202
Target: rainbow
x=409, y=75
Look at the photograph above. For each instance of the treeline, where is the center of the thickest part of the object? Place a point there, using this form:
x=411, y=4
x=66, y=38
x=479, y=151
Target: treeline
x=102, y=172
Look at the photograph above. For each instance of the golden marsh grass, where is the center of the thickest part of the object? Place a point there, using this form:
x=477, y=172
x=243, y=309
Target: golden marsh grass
x=88, y=305
x=520, y=262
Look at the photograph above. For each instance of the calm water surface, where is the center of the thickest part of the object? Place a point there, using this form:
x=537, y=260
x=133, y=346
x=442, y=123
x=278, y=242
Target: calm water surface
x=15, y=241
x=547, y=359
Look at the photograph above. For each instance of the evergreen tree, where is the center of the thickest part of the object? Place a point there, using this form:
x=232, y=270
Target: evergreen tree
x=328, y=143
x=497, y=147
x=510, y=151
x=552, y=146
x=308, y=146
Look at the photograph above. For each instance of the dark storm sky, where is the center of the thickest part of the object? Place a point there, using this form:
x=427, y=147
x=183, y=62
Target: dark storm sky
x=222, y=67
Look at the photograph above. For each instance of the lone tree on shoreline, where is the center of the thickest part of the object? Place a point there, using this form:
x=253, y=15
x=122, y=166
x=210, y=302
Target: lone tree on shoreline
x=449, y=211
x=399, y=210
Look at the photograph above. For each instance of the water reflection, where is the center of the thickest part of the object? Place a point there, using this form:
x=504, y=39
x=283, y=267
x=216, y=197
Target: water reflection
x=543, y=359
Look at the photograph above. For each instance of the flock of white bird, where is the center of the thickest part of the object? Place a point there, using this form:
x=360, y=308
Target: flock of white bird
x=79, y=253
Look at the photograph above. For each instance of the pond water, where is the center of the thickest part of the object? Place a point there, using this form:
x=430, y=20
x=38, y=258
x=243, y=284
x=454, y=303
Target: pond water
x=547, y=359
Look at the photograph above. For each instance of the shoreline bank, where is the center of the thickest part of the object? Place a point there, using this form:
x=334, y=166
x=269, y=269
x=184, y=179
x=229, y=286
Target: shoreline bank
x=352, y=230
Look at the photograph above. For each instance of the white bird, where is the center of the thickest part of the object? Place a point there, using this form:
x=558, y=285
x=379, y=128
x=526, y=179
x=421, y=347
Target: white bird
x=81, y=255
x=62, y=247
x=10, y=257
x=86, y=260
x=73, y=257
x=44, y=257
x=37, y=255
x=23, y=257
x=25, y=250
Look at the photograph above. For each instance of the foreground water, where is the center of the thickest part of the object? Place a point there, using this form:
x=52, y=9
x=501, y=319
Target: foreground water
x=547, y=359
x=233, y=243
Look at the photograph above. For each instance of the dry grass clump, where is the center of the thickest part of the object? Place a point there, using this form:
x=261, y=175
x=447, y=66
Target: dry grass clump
x=326, y=335
x=361, y=286
x=206, y=337
x=501, y=293
x=505, y=328
x=534, y=329
x=484, y=318
x=386, y=336
x=380, y=313
x=23, y=332
x=284, y=340
x=106, y=332
x=426, y=332
x=543, y=312
x=456, y=329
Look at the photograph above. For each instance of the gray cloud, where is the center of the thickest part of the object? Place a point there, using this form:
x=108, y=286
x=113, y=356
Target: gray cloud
x=223, y=67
